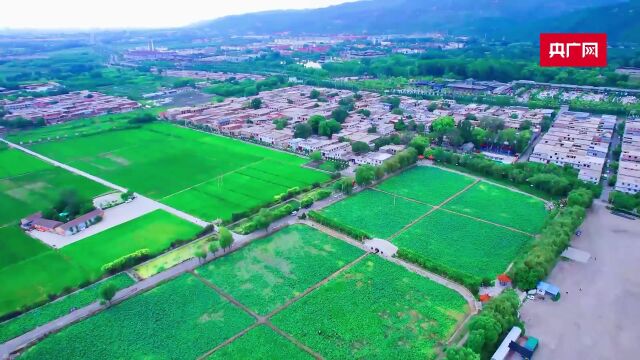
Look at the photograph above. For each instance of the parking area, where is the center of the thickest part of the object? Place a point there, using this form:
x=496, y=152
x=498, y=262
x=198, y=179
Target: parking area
x=598, y=313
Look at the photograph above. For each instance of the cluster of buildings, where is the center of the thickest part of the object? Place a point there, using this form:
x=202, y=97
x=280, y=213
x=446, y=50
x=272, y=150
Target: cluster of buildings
x=61, y=108
x=39, y=223
x=629, y=166
x=580, y=140
x=208, y=75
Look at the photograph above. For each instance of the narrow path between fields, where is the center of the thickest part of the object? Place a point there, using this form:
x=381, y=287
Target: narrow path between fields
x=432, y=209
x=108, y=184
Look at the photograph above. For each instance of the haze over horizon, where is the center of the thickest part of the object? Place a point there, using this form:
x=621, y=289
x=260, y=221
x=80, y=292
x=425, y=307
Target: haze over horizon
x=76, y=14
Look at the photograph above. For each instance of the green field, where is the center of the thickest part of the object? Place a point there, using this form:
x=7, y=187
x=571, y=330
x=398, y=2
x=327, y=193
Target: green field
x=16, y=246
x=502, y=206
x=375, y=310
x=261, y=343
x=463, y=244
x=208, y=176
x=181, y=319
x=268, y=272
x=33, y=279
x=54, y=310
x=28, y=184
x=377, y=213
x=427, y=184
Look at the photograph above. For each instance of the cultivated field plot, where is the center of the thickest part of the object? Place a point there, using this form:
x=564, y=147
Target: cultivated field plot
x=28, y=184
x=50, y=271
x=172, y=258
x=207, y=176
x=54, y=310
x=270, y=271
x=427, y=184
x=261, y=343
x=375, y=310
x=457, y=242
x=502, y=206
x=377, y=213
x=181, y=319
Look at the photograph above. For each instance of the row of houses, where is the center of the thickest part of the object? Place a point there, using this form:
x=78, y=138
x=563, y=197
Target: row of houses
x=61, y=108
x=39, y=223
x=580, y=140
x=629, y=166
x=210, y=75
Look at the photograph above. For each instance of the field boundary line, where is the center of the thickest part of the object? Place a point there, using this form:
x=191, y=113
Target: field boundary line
x=406, y=227
x=229, y=341
x=293, y=340
x=228, y=297
x=489, y=222
x=402, y=197
x=489, y=181
x=209, y=180
x=315, y=286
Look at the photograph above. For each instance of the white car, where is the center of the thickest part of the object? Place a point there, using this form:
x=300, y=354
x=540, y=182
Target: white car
x=294, y=213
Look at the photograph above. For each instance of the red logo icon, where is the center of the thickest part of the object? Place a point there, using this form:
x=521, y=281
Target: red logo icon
x=574, y=50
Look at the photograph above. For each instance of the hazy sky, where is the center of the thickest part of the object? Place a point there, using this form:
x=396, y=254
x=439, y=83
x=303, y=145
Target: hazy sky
x=54, y=14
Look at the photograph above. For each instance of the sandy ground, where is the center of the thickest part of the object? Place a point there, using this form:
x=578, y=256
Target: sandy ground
x=598, y=315
x=112, y=217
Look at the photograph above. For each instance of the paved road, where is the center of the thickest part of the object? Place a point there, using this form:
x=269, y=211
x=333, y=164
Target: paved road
x=525, y=155
x=615, y=141
x=106, y=183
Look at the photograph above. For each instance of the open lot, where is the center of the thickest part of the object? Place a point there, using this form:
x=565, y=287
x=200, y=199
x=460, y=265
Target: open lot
x=597, y=314
x=50, y=272
x=331, y=299
x=205, y=175
x=477, y=229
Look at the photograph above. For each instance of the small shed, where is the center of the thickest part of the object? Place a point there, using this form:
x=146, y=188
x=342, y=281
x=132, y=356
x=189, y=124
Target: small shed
x=382, y=247
x=503, y=349
x=548, y=289
x=485, y=297
x=504, y=280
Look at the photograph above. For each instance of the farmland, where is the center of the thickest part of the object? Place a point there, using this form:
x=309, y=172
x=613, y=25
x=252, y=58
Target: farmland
x=50, y=272
x=260, y=343
x=377, y=213
x=427, y=184
x=460, y=243
x=53, y=310
x=271, y=271
x=179, y=319
x=205, y=175
x=28, y=184
x=375, y=310
x=502, y=206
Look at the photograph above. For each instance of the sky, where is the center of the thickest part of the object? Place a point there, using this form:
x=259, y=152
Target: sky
x=86, y=14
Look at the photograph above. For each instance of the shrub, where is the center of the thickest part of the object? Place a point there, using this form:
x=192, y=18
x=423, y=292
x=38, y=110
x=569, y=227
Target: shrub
x=126, y=261
x=345, y=229
x=306, y=202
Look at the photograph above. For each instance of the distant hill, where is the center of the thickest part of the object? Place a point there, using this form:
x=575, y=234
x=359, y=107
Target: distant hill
x=509, y=19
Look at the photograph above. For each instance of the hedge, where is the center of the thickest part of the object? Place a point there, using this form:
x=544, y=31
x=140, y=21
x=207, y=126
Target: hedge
x=471, y=282
x=126, y=261
x=345, y=229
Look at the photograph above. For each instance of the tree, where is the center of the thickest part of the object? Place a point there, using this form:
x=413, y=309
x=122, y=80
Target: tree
x=344, y=185
x=525, y=125
x=419, y=143
x=393, y=101
x=546, y=123
x=328, y=128
x=492, y=123
x=314, y=94
x=442, y=125
x=360, y=147
x=302, y=131
x=263, y=219
x=213, y=247
x=316, y=156
x=256, y=103
x=365, y=174
x=201, y=254
x=108, y=291
x=314, y=121
x=339, y=115
x=580, y=197
x=466, y=130
x=461, y=353
x=400, y=125
x=225, y=238
x=432, y=107
x=364, y=112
